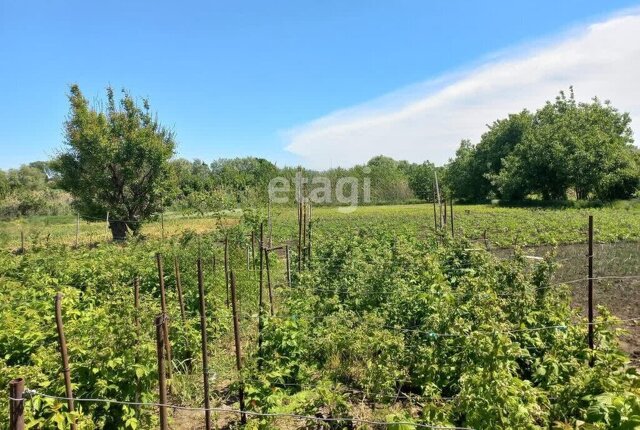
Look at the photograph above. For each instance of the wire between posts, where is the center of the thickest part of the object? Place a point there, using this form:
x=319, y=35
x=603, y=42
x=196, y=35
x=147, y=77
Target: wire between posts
x=33, y=393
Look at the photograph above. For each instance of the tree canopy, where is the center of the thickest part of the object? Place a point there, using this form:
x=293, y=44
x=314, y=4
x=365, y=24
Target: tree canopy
x=564, y=147
x=116, y=161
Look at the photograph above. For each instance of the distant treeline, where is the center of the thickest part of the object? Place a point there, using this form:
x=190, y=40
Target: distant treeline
x=564, y=150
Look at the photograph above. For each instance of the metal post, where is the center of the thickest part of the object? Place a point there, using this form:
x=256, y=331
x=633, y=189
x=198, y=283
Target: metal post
x=590, y=284
x=16, y=404
x=162, y=383
x=62, y=341
x=203, y=335
x=236, y=334
x=106, y=228
x=163, y=305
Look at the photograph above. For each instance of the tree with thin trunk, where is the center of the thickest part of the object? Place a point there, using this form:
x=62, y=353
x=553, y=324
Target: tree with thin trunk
x=116, y=161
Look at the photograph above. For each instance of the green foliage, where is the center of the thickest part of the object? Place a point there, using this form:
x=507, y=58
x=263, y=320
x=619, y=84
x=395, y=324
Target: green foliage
x=564, y=147
x=115, y=161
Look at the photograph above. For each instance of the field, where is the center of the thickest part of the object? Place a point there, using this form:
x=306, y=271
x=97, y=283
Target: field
x=389, y=324
x=502, y=227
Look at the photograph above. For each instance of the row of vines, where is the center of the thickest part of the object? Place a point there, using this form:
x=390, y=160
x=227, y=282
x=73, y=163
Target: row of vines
x=380, y=325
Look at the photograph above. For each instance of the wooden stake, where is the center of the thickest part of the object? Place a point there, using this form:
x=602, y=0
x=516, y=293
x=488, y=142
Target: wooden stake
x=453, y=234
x=439, y=200
x=163, y=305
x=162, y=383
x=226, y=268
x=77, y=230
x=299, y=235
x=16, y=404
x=236, y=334
x=203, y=335
x=261, y=298
x=176, y=266
x=266, y=257
x=435, y=214
x=136, y=322
x=162, y=220
x=288, y=260
x=22, y=242
x=106, y=228
x=62, y=341
x=590, y=285
x=253, y=249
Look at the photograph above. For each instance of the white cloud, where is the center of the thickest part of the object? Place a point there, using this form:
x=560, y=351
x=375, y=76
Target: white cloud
x=428, y=120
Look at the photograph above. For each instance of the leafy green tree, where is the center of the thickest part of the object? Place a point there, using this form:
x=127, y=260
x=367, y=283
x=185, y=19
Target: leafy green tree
x=248, y=177
x=421, y=179
x=4, y=185
x=116, y=161
x=389, y=181
x=27, y=178
x=463, y=174
x=584, y=147
x=565, y=146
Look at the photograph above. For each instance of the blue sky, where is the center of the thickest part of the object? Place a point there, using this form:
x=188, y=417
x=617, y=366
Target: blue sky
x=272, y=79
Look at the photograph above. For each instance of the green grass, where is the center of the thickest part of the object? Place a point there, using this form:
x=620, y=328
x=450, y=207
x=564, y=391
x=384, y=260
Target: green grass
x=502, y=226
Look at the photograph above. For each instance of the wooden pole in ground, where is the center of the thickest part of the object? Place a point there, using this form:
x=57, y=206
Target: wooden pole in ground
x=453, y=234
x=203, y=335
x=266, y=258
x=269, y=221
x=438, y=195
x=106, y=228
x=176, y=266
x=236, y=335
x=77, y=230
x=444, y=201
x=62, y=341
x=261, y=297
x=163, y=306
x=226, y=268
x=300, y=235
x=288, y=262
x=590, y=285
x=136, y=322
x=435, y=213
x=253, y=249
x=22, y=242
x=16, y=404
x=304, y=233
x=162, y=382
x=162, y=220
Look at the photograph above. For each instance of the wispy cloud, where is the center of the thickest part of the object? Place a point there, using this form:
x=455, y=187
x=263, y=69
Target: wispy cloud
x=428, y=120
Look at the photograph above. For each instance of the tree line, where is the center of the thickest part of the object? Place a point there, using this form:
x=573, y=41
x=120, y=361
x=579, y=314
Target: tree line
x=119, y=159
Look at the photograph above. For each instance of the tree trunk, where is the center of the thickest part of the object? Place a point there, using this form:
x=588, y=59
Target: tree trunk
x=118, y=230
